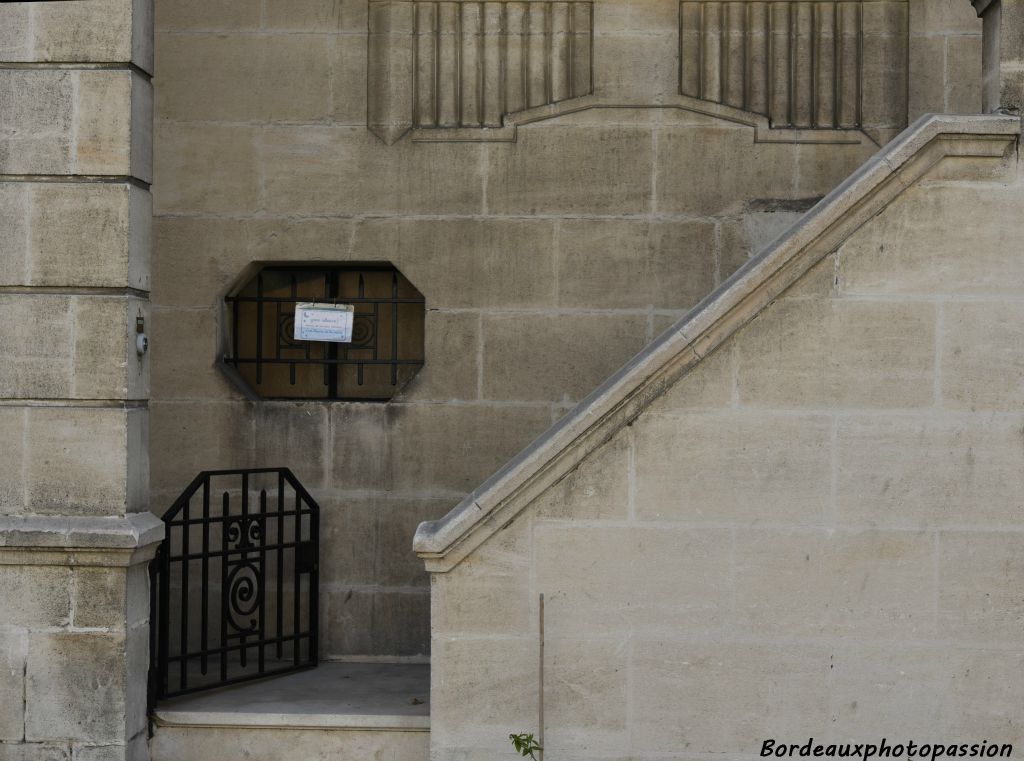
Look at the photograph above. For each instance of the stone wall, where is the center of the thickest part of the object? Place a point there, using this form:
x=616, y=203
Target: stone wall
x=815, y=532
x=546, y=260
x=75, y=229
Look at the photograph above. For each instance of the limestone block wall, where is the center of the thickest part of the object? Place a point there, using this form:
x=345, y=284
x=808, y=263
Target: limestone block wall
x=945, y=58
x=75, y=233
x=547, y=260
x=815, y=532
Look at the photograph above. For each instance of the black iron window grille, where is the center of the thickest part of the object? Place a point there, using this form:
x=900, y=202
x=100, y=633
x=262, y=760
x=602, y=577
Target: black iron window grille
x=234, y=584
x=385, y=352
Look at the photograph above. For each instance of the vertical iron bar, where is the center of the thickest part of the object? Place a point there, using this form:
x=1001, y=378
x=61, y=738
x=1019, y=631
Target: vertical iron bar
x=165, y=621
x=186, y=529
x=225, y=513
x=314, y=589
x=204, y=618
x=235, y=330
x=243, y=542
x=280, y=564
x=261, y=596
x=296, y=583
x=394, y=328
x=259, y=328
x=362, y=294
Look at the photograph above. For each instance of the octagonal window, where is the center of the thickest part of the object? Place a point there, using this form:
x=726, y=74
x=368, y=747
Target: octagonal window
x=347, y=332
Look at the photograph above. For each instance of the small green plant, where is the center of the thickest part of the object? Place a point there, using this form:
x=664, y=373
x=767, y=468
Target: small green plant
x=525, y=744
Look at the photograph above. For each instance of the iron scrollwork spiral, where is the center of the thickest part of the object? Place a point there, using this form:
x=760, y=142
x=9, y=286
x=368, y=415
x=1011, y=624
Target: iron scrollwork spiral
x=244, y=592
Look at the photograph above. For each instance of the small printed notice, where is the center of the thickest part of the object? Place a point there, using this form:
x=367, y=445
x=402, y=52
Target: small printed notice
x=324, y=322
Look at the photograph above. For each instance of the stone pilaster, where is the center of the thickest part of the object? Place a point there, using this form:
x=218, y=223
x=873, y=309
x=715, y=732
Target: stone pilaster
x=1002, y=55
x=75, y=531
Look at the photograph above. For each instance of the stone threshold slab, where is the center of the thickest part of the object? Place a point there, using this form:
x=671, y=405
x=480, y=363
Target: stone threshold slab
x=339, y=696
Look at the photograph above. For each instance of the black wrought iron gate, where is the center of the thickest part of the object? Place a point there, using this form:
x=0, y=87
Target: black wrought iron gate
x=234, y=585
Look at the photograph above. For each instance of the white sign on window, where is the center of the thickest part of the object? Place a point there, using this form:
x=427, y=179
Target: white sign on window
x=324, y=322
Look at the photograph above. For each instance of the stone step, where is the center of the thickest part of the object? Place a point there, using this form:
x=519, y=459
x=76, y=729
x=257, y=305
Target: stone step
x=338, y=711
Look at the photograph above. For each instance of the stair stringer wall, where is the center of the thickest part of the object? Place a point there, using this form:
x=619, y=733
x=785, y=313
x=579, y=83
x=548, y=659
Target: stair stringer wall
x=796, y=514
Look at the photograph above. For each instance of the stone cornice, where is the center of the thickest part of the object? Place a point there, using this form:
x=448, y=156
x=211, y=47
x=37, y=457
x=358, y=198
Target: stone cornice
x=617, y=402
x=62, y=540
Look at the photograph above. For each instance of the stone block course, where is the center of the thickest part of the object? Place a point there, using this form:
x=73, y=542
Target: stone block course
x=870, y=584
x=946, y=470
x=74, y=687
x=72, y=347
x=97, y=31
x=672, y=580
x=740, y=694
x=78, y=461
x=425, y=448
x=75, y=234
x=844, y=353
x=44, y=108
x=286, y=76
x=982, y=359
x=737, y=466
x=977, y=591
x=668, y=265
x=515, y=345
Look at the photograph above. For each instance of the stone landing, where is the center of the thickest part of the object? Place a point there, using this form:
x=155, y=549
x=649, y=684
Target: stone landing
x=338, y=711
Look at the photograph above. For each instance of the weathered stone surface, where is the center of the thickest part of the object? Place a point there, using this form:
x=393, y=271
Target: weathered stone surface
x=906, y=252
x=75, y=687
x=319, y=170
x=978, y=599
x=710, y=384
x=361, y=446
x=733, y=466
x=101, y=31
x=453, y=343
x=516, y=345
x=982, y=356
x=660, y=264
x=68, y=122
x=940, y=471
x=78, y=461
x=189, y=437
x=80, y=234
x=287, y=79
x=185, y=744
x=13, y=651
x=225, y=156
x=555, y=169
x=467, y=263
x=672, y=580
x=476, y=714
x=490, y=593
x=185, y=364
x=454, y=448
x=742, y=694
x=599, y=489
x=72, y=347
x=845, y=353
x=815, y=583
x=208, y=15
x=100, y=598
x=34, y=752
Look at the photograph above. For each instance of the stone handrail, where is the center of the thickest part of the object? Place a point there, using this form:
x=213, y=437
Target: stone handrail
x=619, y=400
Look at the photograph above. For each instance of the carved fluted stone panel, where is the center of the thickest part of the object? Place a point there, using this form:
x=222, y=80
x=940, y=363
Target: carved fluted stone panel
x=801, y=63
x=451, y=65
